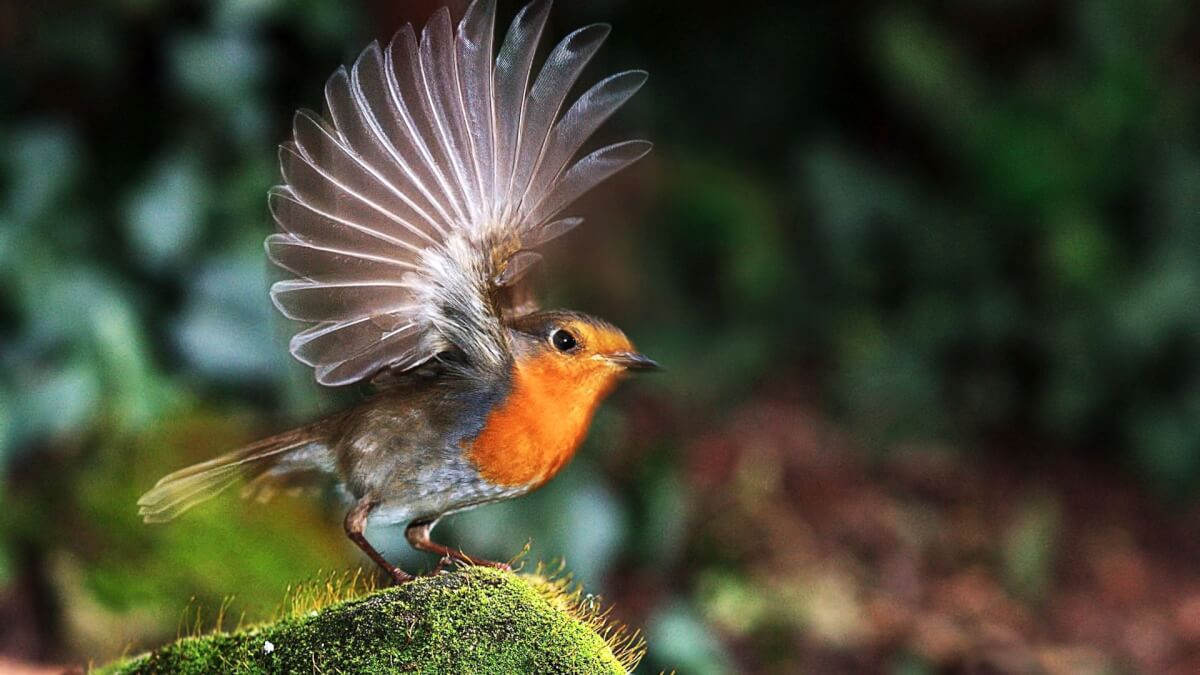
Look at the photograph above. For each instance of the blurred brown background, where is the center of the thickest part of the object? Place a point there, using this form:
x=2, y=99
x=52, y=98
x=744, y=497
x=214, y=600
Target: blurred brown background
x=924, y=276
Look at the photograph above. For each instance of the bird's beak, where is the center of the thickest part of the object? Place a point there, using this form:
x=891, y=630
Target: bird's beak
x=634, y=361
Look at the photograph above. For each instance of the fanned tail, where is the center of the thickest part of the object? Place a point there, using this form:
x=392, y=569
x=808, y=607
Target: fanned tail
x=300, y=450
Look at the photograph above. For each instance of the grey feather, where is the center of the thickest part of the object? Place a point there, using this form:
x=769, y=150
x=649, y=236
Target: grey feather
x=408, y=210
x=301, y=449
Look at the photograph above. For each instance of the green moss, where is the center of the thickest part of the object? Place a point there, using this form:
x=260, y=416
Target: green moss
x=477, y=620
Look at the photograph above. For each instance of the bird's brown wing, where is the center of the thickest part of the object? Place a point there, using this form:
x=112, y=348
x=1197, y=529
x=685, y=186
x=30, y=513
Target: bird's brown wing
x=409, y=209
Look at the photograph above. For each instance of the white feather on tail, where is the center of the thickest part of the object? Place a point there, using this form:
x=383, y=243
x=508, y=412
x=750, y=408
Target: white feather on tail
x=299, y=450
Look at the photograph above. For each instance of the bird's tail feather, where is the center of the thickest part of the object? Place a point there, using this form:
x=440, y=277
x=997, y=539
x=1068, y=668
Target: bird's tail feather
x=304, y=448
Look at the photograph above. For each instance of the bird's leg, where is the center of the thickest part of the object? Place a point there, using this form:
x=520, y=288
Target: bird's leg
x=417, y=534
x=356, y=524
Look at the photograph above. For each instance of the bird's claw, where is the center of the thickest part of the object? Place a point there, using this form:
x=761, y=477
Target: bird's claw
x=449, y=561
x=399, y=576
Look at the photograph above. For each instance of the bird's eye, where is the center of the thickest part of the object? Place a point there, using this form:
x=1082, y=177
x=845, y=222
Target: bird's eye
x=562, y=340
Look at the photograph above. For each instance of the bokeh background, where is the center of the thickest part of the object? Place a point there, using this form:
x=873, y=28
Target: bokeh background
x=924, y=276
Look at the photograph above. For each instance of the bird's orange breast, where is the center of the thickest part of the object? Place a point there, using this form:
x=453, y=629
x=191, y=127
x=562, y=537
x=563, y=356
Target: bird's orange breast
x=536, y=430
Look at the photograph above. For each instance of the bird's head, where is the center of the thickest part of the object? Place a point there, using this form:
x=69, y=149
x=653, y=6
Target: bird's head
x=584, y=354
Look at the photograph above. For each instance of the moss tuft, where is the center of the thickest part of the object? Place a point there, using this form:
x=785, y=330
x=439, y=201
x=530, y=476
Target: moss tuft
x=561, y=591
x=476, y=620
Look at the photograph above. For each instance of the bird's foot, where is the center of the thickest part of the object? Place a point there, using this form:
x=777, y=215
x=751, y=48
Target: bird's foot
x=460, y=558
x=417, y=534
x=399, y=576
x=493, y=564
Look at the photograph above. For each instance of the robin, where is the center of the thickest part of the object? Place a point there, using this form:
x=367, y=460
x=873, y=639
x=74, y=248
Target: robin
x=408, y=220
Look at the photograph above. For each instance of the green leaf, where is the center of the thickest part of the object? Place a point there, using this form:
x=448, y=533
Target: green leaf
x=681, y=641
x=165, y=213
x=44, y=163
x=1031, y=546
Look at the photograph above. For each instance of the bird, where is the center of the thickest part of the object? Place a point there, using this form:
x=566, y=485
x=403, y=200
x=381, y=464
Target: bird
x=408, y=219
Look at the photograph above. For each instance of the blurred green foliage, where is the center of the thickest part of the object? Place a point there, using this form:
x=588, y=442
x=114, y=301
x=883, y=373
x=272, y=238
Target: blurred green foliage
x=1030, y=547
x=974, y=221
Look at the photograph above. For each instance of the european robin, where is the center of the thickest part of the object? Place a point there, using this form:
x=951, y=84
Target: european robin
x=408, y=216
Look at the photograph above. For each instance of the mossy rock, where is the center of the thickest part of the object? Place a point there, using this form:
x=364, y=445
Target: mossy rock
x=476, y=620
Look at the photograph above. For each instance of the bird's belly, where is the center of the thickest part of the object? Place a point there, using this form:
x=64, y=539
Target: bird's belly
x=440, y=484
x=404, y=452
